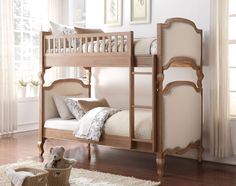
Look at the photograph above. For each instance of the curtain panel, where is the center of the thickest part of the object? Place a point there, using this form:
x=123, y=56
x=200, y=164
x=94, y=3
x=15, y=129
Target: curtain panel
x=219, y=81
x=8, y=102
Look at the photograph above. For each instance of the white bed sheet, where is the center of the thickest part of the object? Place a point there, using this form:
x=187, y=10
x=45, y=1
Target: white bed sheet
x=118, y=124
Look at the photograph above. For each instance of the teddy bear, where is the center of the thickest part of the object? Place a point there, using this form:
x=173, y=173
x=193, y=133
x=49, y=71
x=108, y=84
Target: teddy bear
x=58, y=160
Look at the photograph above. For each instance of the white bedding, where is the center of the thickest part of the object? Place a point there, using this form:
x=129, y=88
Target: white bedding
x=117, y=124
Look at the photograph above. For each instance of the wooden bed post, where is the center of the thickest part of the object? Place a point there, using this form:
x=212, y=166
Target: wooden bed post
x=131, y=89
x=41, y=139
x=160, y=157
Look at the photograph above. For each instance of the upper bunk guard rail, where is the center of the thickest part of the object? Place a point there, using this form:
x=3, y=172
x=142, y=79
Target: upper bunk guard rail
x=100, y=48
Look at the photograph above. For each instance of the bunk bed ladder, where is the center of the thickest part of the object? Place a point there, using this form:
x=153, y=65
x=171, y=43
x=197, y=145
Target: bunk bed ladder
x=134, y=142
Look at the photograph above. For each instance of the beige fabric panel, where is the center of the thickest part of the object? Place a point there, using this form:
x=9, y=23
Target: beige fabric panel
x=181, y=39
x=182, y=117
x=64, y=88
x=118, y=124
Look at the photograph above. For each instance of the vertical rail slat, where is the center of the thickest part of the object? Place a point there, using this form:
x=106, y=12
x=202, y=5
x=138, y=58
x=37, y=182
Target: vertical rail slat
x=81, y=45
x=122, y=44
x=109, y=44
x=98, y=46
x=103, y=44
x=49, y=46
x=91, y=45
x=86, y=44
x=54, y=45
x=64, y=45
x=116, y=43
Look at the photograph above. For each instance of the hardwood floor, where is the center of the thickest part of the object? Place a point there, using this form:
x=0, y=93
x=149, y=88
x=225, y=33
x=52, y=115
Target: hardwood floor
x=179, y=171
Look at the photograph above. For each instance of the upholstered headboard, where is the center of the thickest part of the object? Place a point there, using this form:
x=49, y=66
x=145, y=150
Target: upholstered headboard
x=63, y=87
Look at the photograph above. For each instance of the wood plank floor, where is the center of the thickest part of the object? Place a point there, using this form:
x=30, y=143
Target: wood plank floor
x=179, y=171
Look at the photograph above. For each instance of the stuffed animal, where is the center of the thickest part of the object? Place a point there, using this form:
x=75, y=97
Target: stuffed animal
x=58, y=160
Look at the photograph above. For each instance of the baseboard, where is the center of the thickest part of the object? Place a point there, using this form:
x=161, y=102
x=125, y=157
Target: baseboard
x=229, y=160
x=24, y=127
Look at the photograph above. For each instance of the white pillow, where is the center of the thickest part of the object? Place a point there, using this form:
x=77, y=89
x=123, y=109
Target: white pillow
x=58, y=29
x=62, y=109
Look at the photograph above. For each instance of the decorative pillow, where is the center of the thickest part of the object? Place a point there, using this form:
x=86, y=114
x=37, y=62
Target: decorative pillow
x=58, y=29
x=88, y=105
x=62, y=109
x=74, y=107
x=87, y=30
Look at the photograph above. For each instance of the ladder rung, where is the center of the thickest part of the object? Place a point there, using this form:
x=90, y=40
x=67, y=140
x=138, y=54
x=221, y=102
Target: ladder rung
x=142, y=73
x=142, y=107
x=142, y=140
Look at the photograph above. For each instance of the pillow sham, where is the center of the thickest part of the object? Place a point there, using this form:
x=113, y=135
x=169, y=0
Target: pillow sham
x=58, y=29
x=74, y=107
x=89, y=105
x=62, y=109
x=87, y=30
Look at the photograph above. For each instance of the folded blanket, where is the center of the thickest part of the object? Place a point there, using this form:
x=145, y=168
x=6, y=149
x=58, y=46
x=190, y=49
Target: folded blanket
x=91, y=125
x=17, y=178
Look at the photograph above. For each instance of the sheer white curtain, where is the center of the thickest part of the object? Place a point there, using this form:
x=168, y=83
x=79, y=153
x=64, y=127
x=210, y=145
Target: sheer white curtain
x=7, y=80
x=219, y=92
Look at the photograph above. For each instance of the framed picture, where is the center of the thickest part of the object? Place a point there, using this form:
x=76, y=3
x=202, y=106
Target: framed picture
x=113, y=12
x=140, y=11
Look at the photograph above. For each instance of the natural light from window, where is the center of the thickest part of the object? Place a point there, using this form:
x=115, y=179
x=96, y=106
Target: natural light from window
x=232, y=56
x=29, y=17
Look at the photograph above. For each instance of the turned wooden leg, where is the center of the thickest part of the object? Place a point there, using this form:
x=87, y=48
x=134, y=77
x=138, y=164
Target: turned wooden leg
x=200, y=151
x=160, y=160
x=40, y=146
x=89, y=151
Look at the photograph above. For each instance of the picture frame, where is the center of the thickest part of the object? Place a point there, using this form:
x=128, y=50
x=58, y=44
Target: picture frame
x=113, y=12
x=140, y=11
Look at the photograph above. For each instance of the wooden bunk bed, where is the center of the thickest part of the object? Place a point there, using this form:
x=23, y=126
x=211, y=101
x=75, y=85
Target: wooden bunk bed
x=176, y=106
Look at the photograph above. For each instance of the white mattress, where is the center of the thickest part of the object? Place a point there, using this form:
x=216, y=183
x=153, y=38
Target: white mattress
x=118, y=124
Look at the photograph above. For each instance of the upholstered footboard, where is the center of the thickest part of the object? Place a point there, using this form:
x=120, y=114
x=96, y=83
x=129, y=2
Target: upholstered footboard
x=179, y=90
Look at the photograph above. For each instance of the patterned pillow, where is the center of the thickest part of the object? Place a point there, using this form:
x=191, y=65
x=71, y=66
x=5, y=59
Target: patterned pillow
x=75, y=108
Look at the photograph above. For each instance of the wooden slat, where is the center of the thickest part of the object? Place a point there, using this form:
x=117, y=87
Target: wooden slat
x=64, y=45
x=142, y=73
x=143, y=61
x=98, y=45
x=142, y=107
x=122, y=44
x=142, y=140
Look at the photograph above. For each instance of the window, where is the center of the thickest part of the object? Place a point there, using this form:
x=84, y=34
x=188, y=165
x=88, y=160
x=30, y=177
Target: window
x=232, y=56
x=29, y=16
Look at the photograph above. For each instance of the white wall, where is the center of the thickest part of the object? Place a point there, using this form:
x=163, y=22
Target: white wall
x=27, y=114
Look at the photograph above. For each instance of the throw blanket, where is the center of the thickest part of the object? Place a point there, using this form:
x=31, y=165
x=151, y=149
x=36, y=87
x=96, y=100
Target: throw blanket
x=91, y=125
x=17, y=178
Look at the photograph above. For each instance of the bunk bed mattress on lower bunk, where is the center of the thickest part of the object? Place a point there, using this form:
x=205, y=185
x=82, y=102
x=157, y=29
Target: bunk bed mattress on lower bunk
x=143, y=46
x=117, y=124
